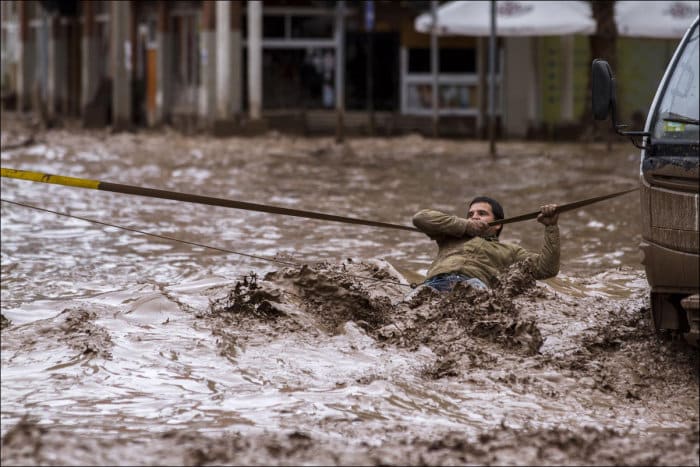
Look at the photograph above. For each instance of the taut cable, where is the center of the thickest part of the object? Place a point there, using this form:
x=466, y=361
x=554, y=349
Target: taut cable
x=190, y=198
x=230, y=203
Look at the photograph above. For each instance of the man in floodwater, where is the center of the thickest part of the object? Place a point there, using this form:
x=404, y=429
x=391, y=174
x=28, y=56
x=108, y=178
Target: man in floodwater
x=469, y=250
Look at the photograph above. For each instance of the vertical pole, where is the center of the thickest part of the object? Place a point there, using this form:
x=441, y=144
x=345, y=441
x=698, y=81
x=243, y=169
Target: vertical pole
x=435, y=66
x=223, y=60
x=88, y=49
x=481, y=90
x=134, y=54
x=62, y=69
x=236, y=59
x=369, y=29
x=255, y=59
x=58, y=68
x=55, y=60
x=370, y=82
x=43, y=67
x=207, y=54
x=492, y=81
x=163, y=71
x=120, y=21
x=26, y=54
x=74, y=65
x=21, y=50
x=340, y=70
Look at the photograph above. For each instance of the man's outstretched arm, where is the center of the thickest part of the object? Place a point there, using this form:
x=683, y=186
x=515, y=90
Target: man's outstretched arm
x=438, y=224
x=547, y=260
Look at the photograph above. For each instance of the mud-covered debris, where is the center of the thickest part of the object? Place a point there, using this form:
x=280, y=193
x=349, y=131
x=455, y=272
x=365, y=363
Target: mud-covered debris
x=81, y=334
x=551, y=446
x=450, y=322
x=294, y=448
x=249, y=298
x=330, y=294
x=455, y=326
x=441, y=368
x=517, y=279
x=621, y=354
x=28, y=443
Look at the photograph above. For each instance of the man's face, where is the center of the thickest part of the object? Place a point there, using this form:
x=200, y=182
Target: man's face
x=482, y=211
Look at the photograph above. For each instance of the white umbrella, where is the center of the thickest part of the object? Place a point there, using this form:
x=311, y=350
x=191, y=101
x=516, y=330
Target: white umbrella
x=665, y=20
x=513, y=18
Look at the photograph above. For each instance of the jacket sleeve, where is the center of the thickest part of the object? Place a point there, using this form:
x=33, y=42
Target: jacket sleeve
x=437, y=224
x=546, y=262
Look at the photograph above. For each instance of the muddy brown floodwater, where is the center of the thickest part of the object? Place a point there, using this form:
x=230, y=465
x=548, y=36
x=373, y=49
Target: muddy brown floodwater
x=120, y=348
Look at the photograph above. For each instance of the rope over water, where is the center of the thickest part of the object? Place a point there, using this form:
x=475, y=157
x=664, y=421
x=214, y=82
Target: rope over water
x=190, y=198
x=563, y=207
x=230, y=203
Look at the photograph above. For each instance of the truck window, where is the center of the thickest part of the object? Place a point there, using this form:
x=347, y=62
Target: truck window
x=676, y=117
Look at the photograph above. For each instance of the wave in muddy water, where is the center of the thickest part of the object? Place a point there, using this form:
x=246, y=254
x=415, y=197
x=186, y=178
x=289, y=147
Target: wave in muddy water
x=305, y=358
x=342, y=363
x=29, y=443
x=548, y=351
x=329, y=295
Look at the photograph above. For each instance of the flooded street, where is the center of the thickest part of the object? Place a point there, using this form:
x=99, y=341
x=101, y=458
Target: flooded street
x=122, y=348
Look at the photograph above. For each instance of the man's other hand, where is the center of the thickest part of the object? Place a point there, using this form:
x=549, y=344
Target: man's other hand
x=548, y=214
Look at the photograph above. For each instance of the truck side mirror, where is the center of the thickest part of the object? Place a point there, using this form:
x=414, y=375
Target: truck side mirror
x=603, y=100
x=602, y=90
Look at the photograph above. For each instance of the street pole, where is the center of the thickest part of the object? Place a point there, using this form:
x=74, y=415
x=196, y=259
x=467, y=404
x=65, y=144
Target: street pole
x=369, y=29
x=492, y=81
x=340, y=70
x=255, y=77
x=434, y=65
x=223, y=61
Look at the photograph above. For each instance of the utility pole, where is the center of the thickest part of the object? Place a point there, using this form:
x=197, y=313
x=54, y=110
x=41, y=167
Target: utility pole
x=223, y=61
x=255, y=59
x=434, y=66
x=340, y=70
x=369, y=29
x=492, y=82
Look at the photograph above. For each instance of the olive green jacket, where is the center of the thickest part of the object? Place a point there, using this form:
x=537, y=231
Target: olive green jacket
x=483, y=258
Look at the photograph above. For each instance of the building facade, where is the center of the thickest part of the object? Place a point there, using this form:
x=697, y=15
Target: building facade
x=307, y=66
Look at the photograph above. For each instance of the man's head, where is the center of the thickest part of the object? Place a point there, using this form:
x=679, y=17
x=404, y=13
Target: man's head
x=486, y=209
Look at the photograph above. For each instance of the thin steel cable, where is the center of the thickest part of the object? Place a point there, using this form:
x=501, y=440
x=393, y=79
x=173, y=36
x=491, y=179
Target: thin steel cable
x=202, y=245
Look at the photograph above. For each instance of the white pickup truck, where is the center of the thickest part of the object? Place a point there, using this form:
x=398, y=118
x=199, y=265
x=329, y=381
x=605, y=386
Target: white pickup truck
x=669, y=185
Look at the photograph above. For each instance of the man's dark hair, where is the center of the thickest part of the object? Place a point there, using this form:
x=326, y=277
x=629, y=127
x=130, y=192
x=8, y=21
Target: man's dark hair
x=495, y=207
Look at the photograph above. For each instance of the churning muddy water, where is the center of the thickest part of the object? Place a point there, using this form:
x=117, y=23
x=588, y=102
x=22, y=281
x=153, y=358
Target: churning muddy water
x=120, y=348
